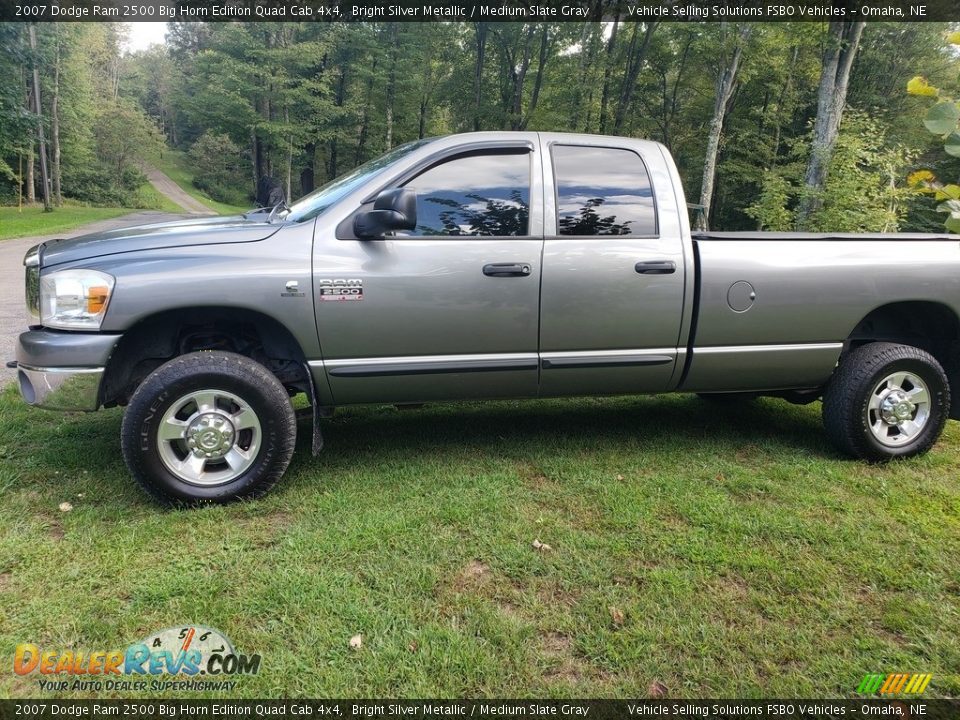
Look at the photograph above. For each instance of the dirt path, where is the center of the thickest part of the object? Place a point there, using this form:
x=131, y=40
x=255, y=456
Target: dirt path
x=173, y=192
x=13, y=313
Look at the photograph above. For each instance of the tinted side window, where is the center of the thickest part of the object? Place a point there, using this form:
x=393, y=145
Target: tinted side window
x=481, y=194
x=602, y=191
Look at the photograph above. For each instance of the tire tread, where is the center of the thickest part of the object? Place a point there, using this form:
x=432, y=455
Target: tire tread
x=841, y=411
x=229, y=364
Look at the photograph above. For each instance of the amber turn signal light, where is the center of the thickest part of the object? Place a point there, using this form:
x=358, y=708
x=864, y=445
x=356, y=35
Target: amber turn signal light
x=97, y=298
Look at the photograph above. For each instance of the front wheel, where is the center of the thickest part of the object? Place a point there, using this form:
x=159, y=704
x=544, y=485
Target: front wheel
x=886, y=401
x=208, y=427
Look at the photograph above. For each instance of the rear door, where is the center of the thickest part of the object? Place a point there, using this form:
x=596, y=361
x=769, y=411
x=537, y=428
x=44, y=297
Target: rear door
x=613, y=279
x=449, y=310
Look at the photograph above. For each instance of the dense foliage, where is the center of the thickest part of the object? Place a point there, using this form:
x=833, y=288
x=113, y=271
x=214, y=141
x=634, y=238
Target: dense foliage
x=95, y=137
x=304, y=102
x=942, y=120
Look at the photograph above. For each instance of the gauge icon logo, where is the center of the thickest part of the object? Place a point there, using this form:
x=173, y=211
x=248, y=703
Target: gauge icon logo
x=191, y=650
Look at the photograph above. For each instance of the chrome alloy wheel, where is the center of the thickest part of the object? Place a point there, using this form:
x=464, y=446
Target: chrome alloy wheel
x=209, y=437
x=899, y=408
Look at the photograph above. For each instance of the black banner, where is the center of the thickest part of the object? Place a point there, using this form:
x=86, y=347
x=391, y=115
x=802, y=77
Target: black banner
x=900, y=709
x=476, y=11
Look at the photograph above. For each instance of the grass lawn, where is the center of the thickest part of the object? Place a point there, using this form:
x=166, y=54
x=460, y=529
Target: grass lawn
x=150, y=199
x=34, y=221
x=723, y=552
x=177, y=167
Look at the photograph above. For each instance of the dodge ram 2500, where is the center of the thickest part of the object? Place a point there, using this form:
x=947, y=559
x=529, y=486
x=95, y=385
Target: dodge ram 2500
x=484, y=265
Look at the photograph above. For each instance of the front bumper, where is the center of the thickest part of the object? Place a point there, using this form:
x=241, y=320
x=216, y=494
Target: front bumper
x=60, y=388
x=63, y=370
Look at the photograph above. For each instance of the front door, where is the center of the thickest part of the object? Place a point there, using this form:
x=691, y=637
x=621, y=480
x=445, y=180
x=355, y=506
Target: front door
x=613, y=281
x=449, y=310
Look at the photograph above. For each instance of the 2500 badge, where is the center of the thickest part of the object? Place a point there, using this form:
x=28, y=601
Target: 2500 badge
x=340, y=289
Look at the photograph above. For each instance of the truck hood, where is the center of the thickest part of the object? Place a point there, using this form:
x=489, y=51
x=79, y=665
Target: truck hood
x=181, y=233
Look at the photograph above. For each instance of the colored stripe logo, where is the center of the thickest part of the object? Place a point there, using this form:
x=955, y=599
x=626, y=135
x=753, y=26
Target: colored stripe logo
x=894, y=683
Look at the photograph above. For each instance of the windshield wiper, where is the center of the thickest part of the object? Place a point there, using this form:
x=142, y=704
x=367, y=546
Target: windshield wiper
x=278, y=208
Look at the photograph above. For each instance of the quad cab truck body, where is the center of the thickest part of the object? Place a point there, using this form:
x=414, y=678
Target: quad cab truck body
x=484, y=265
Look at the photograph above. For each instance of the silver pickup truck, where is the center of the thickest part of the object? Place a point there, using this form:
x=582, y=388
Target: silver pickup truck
x=484, y=265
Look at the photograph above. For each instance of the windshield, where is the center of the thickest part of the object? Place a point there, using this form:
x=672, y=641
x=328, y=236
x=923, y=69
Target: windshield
x=309, y=206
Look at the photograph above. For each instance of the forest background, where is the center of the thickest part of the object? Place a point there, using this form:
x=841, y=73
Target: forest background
x=775, y=126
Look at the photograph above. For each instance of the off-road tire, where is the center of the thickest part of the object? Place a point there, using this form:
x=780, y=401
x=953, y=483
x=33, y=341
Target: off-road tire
x=847, y=396
x=225, y=372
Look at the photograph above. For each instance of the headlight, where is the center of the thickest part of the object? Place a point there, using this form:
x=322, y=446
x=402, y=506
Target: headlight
x=74, y=299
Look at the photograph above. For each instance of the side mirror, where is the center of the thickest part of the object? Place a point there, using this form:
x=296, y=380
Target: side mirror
x=394, y=209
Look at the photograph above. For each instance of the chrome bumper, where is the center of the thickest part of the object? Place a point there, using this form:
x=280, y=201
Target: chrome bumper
x=60, y=388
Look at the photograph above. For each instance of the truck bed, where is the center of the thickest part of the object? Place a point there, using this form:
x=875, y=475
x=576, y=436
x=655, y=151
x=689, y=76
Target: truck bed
x=773, y=309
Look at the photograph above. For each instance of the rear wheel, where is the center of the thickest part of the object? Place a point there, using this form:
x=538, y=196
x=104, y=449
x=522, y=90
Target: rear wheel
x=886, y=401
x=208, y=427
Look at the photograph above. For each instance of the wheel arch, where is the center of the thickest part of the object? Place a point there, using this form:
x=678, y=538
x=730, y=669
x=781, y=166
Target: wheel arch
x=930, y=325
x=159, y=337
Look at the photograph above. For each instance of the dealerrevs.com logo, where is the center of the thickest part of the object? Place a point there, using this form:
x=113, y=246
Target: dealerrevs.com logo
x=200, y=658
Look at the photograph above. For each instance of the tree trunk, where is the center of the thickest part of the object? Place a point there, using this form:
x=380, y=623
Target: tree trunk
x=30, y=181
x=843, y=39
x=480, y=32
x=673, y=106
x=308, y=173
x=332, y=160
x=255, y=156
x=55, y=124
x=333, y=165
x=365, y=120
x=589, y=37
x=266, y=155
x=787, y=86
x=44, y=174
x=538, y=81
x=393, y=40
x=607, y=71
x=286, y=121
x=635, y=62
x=726, y=82
x=518, y=76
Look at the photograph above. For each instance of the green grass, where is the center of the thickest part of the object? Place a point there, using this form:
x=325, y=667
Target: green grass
x=724, y=552
x=149, y=199
x=176, y=166
x=32, y=220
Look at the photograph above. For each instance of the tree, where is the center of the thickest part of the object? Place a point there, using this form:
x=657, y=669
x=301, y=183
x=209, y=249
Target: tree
x=44, y=174
x=302, y=102
x=16, y=122
x=221, y=167
x=732, y=42
x=843, y=39
x=636, y=57
x=942, y=120
x=865, y=189
x=125, y=137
